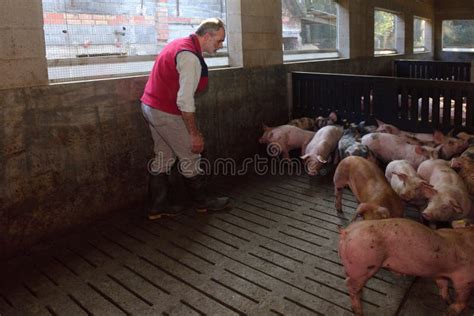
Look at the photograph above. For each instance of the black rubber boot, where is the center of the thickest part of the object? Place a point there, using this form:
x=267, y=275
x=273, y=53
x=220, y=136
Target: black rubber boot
x=158, y=204
x=197, y=187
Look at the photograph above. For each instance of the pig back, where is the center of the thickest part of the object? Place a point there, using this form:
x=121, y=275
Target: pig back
x=438, y=173
x=401, y=245
x=324, y=141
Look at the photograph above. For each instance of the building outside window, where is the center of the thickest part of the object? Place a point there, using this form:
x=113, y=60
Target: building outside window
x=458, y=35
x=96, y=39
x=309, y=29
x=388, y=32
x=421, y=35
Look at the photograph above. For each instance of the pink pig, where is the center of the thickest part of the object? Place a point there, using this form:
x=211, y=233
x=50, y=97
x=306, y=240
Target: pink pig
x=367, y=182
x=286, y=138
x=464, y=165
x=449, y=199
x=392, y=129
x=407, y=183
x=408, y=247
x=388, y=147
x=448, y=146
x=320, y=148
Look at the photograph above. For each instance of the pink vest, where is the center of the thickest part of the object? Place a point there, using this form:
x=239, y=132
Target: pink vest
x=163, y=84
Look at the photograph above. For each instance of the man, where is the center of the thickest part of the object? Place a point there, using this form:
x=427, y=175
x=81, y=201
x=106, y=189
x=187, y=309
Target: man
x=168, y=106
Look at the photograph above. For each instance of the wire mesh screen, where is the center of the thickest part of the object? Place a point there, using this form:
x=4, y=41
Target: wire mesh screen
x=106, y=38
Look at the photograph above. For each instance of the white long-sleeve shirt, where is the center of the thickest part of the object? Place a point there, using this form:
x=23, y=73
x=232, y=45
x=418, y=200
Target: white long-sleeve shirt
x=189, y=69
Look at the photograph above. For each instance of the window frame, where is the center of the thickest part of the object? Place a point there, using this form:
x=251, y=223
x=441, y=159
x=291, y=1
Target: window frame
x=399, y=35
x=454, y=49
x=219, y=60
x=304, y=55
x=427, y=36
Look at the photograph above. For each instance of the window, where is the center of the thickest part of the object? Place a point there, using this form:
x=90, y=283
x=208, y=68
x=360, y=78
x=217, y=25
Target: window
x=388, y=33
x=309, y=29
x=458, y=35
x=421, y=35
x=97, y=39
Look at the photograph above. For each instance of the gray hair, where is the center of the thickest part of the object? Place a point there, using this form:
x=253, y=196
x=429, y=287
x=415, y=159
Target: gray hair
x=211, y=25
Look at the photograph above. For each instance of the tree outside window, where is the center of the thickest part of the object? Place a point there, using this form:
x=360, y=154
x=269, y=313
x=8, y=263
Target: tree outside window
x=384, y=32
x=422, y=35
x=309, y=29
x=458, y=35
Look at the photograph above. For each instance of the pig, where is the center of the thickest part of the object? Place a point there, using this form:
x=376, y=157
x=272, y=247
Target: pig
x=388, y=147
x=465, y=136
x=321, y=147
x=349, y=145
x=464, y=165
x=407, y=247
x=363, y=128
x=286, y=138
x=367, y=181
x=407, y=183
x=449, y=200
x=449, y=146
x=305, y=123
x=426, y=138
x=320, y=121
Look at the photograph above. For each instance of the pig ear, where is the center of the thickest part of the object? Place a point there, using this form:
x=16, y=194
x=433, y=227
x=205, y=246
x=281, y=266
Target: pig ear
x=450, y=133
x=403, y=177
x=435, y=153
x=333, y=116
x=379, y=123
x=457, y=208
x=427, y=189
x=265, y=127
x=419, y=150
x=438, y=137
x=304, y=157
x=321, y=159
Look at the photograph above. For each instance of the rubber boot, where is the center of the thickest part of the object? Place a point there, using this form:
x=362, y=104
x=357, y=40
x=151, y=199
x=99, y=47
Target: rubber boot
x=197, y=187
x=158, y=204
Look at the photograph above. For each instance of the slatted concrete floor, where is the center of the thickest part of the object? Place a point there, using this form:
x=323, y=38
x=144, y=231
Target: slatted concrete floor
x=273, y=253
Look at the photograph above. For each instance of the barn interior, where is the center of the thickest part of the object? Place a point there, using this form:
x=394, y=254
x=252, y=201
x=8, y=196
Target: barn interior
x=74, y=236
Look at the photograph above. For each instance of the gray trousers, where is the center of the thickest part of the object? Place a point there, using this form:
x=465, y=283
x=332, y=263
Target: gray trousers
x=171, y=140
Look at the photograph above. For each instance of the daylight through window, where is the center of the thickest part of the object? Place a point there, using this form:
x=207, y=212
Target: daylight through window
x=309, y=29
x=385, y=32
x=421, y=35
x=458, y=35
x=97, y=39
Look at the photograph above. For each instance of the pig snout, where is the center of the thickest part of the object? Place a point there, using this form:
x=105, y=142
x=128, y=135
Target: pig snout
x=456, y=163
x=427, y=216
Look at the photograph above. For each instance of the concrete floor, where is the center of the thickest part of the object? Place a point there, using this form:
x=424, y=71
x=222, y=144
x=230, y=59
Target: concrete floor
x=273, y=253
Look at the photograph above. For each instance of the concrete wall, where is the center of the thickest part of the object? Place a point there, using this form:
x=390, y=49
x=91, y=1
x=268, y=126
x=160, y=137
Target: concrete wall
x=449, y=10
x=22, y=57
x=72, y=153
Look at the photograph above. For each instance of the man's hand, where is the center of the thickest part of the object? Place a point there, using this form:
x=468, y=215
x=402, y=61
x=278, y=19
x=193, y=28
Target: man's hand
x=197, y=143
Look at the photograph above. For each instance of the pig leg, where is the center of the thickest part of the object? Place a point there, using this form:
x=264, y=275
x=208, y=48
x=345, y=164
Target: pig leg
x=355, y=287
x=303, y=147
x=338, y=199
x=463, y=292
x=340, y=181
x=443, y=289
